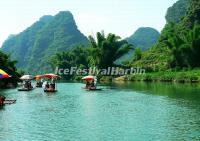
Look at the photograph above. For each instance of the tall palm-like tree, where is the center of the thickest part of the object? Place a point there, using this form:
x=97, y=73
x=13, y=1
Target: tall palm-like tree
x=105, y=50
x=192, y=42
x=185, y=47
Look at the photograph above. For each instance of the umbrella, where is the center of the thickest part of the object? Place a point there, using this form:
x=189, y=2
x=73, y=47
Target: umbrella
x=89, y=78
x=27, y=77
x=51, y=76
x=3, y=74
x=39, y=77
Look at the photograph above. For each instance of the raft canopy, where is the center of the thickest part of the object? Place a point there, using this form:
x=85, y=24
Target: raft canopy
x=51, y=76
x=39, y=77
x=27, y=77
x=89, y=78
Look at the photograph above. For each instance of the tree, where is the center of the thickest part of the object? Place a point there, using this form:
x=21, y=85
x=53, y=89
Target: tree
x=185, y=48
x=137, y=54
x=105, y=50
x=78, y=57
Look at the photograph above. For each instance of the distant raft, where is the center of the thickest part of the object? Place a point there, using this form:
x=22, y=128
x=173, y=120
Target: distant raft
x=94, y=89
x=49, y=91
x=91, y=82
x=9, y=101
x=25, y=89
x=4, y=101
x=26, y=86
x=52, y=87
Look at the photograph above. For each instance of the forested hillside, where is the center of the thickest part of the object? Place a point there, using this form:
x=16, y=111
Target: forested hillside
x=177, y=11
x=179, y=44
x=48, y=36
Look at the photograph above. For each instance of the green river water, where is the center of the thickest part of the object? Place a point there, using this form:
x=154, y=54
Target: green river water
x=120, y=112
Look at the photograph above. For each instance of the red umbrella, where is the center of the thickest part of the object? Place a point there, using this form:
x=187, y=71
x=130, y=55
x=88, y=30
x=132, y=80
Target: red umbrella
x=88, y=78
x=51, y=76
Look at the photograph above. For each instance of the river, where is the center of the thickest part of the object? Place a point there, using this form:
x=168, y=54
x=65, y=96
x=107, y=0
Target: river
x=120, y=112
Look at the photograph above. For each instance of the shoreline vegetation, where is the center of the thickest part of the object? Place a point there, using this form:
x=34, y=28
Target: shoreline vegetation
x=182, y=76
x=9, y=66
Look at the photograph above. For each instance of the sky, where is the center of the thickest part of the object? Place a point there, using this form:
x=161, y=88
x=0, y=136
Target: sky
x=122, y=17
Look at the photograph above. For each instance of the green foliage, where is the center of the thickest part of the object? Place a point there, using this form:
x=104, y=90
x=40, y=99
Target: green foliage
x=78, y=57
x=137, y=54
x=8, y=66
x=186, y=48
x=50, y=35
x=192, y=76
x=105, y=50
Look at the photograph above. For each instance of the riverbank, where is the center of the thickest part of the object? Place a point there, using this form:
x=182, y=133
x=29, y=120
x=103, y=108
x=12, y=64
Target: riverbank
x=191, y=76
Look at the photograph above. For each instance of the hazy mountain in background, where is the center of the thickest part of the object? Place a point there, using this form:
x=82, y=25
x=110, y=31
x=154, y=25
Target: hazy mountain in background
x=144, y=38
x=33, y=47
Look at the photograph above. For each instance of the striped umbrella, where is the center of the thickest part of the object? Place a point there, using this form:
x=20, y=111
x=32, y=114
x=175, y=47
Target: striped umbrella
x=3, y=74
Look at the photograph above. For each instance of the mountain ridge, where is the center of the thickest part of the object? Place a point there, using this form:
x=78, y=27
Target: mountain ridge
x=44, y=38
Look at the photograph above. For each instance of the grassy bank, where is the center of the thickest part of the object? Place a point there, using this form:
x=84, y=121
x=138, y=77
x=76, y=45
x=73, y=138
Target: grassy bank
x=192, y=76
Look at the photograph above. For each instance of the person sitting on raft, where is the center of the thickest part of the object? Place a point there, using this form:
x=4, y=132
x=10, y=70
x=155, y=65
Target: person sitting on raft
x=52, y=86
x=92, y=85
x=39, y=84
x=27, y=85
x=47, y=85
x=2, y=99
x=87, y=85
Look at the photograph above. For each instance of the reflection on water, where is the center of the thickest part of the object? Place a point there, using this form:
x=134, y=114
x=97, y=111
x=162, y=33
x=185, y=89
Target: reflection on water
x=123, y=111
x=172, y=90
